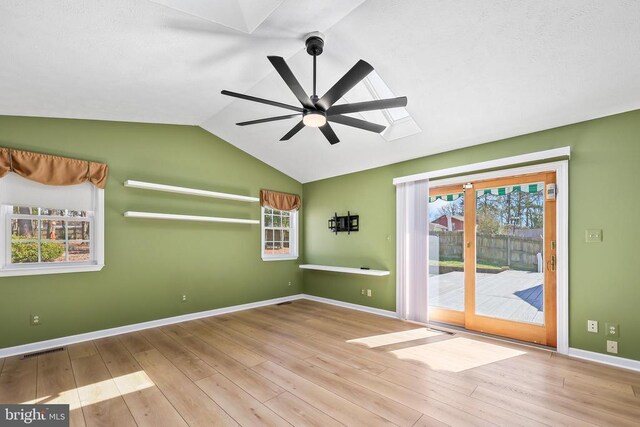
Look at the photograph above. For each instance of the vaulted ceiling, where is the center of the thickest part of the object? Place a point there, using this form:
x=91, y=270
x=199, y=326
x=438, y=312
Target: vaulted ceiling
x=473, y=71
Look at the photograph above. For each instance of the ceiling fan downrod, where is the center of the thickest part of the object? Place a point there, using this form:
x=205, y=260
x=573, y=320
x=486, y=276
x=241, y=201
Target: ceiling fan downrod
x=315, y=44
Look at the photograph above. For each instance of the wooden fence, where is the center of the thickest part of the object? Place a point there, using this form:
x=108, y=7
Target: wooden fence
x=518, y=253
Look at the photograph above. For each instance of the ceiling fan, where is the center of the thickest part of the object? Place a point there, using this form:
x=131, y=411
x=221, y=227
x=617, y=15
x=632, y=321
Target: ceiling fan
x=318, y=112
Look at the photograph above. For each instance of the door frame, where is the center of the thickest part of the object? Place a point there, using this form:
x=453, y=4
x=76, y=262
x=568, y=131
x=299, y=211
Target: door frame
x=561, y=168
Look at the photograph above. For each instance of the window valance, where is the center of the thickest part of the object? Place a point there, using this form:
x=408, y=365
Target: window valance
x=280, y=201
x=52, y=170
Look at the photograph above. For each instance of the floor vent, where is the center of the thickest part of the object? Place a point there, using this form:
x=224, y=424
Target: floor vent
x=39, y=353
x=284, y=303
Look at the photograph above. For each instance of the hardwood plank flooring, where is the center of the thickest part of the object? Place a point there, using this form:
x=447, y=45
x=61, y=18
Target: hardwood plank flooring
x=100, y=398
x=312, y=364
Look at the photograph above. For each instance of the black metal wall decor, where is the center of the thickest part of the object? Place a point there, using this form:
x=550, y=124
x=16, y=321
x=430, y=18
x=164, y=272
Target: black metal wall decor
x=347, y=223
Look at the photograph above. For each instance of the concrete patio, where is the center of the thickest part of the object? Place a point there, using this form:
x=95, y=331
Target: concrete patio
x=513, y=295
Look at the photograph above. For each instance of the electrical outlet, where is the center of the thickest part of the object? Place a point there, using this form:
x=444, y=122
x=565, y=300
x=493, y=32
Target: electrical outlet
x=611, y=329
x=289, y=283
x=593, y=236
x=35, y=320
x=184, y=298
x=362, y=291
x=368, y=292
x=612, y=346
x=592, y=326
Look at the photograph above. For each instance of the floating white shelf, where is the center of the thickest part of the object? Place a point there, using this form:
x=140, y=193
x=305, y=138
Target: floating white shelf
x=151, y=215
x=349, y=270
x=189, y=191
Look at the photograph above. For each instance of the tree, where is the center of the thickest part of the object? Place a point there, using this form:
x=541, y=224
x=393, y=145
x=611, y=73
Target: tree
x=25, y=226
x=455, y=208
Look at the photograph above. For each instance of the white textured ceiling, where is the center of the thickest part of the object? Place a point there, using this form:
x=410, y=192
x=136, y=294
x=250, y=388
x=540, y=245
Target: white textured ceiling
x=474, y=71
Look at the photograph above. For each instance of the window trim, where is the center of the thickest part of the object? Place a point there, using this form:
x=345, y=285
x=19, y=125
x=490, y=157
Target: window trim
x=38, y=269
x=293, y=238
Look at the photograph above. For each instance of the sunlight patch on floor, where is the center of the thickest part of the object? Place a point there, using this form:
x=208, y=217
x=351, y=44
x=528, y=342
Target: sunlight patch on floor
x=456, y=354
x=99, y=391
x=395, y=337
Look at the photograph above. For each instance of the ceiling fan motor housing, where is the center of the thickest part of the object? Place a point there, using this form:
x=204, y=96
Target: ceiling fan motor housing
x=315, y=43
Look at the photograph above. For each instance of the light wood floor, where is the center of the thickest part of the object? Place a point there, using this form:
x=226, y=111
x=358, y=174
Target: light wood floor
x=308, y=363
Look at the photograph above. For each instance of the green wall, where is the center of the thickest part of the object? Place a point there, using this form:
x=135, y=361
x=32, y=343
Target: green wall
x=604, y=278
x=149, y=263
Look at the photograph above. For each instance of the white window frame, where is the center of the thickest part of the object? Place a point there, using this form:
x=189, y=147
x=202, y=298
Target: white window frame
x=293, y=238
x=96, y=235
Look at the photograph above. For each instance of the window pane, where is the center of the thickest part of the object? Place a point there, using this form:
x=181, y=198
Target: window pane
x=446, y=252
x=510, y=243
x=24, y=252
x=24, y=229
x=277, y=221
x=53, y=212
x=79, y=252
x=52, y=230
x=268, y=210
x=25, y=210
x=81, y=214
x=285, y=235
x=268, y=221
x=277, y=235
x=268, y=248
x=268, y=235
x=78, y=230
x=285, y=221
x=52, y=252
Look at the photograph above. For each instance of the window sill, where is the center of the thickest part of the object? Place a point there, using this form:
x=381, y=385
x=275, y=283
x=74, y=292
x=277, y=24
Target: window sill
x=287, y=258
x=8, y=272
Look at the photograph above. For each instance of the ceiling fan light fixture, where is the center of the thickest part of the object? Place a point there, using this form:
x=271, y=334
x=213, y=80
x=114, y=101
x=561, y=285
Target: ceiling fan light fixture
x=314, y=119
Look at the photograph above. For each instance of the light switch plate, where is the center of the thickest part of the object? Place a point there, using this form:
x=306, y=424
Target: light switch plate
x=593, y=236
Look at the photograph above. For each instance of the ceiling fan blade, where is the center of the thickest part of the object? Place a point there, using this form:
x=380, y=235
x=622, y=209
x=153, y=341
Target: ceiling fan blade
x=378, y=104
x=357, y=123
x=287, y=75
x=268, y=119
x=261, y=100
x=345, y=84
x=293, y=131
x=328, y=133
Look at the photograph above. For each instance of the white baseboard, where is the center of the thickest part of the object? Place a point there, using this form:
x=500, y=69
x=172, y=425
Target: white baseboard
x=618, y=362
x=74, y=339
x=606, y=359
x=372, y=310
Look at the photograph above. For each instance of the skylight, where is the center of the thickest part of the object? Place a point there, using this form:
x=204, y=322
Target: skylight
x=398, y=120
x=380, y=90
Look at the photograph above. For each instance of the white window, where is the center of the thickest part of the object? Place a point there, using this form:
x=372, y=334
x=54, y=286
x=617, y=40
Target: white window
x=279, y=234
x=50, y=229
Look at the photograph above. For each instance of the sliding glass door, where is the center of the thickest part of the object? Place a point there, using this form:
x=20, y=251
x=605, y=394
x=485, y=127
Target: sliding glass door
x=492, y=257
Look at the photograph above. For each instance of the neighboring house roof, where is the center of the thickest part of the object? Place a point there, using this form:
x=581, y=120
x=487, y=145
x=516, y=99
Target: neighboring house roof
x=457, y=217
